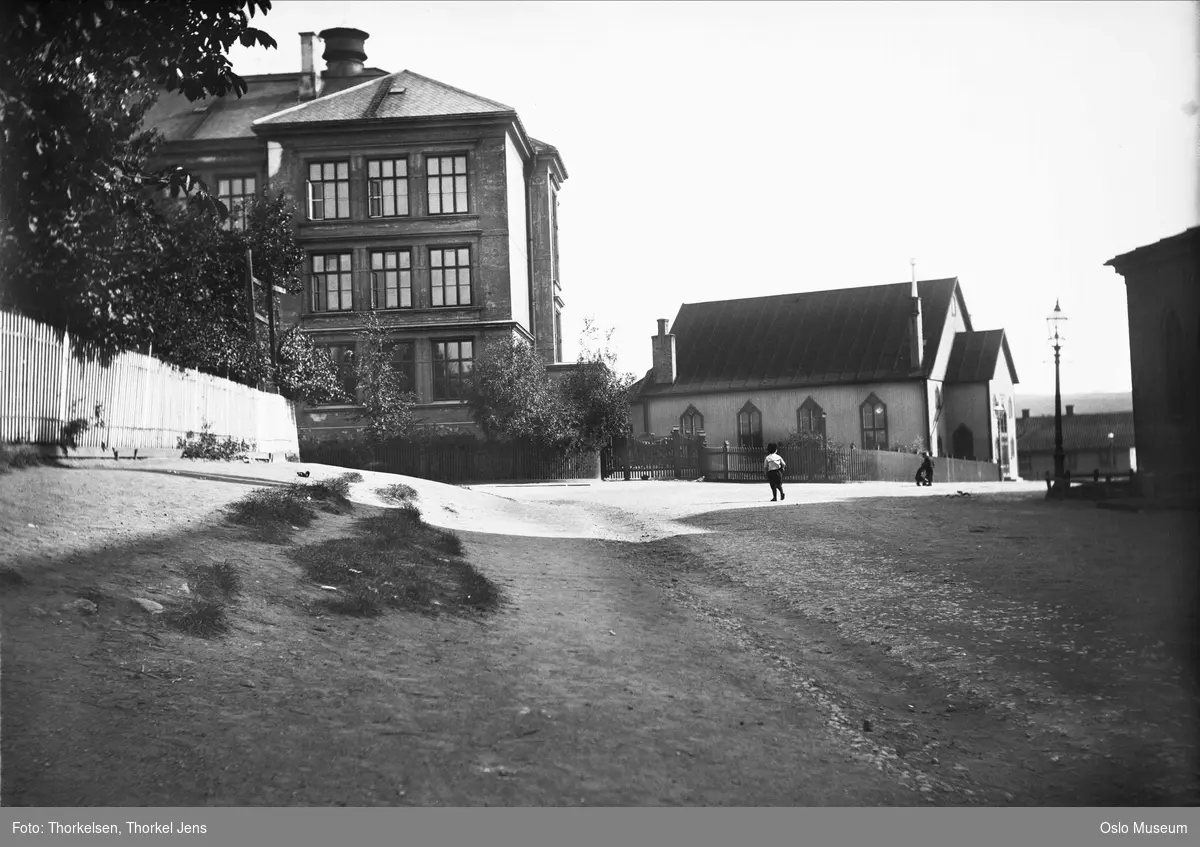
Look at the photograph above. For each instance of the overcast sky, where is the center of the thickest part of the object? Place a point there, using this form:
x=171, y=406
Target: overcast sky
x=738, y=149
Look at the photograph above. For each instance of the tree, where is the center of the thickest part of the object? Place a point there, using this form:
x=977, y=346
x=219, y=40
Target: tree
x=305, y=372
x=594, y=395
x=387, y=403
x=510, y=393
x=76, y=79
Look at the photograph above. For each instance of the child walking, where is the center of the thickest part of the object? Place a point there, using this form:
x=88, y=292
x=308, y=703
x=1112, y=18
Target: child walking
x=774, y=465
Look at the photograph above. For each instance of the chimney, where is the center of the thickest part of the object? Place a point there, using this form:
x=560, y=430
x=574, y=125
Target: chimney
x=663, y=346
x=310, y=80
x=1070, y=409
x=1024, y=413
x=915, y=330
x=344, y=52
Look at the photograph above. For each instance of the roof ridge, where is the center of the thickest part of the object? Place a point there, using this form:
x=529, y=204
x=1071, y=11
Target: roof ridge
x=497, y=103
x=375, y=81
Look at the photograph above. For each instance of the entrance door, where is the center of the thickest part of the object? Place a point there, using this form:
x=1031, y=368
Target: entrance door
x=962, y=443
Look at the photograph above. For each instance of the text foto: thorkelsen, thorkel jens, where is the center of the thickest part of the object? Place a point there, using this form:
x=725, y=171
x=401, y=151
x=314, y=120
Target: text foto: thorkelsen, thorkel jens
x=130, y=828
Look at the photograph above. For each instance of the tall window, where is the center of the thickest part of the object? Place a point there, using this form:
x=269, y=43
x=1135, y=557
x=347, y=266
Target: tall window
x=873, y=413
x=447, y=181
x=342, y=356
x=749, y=427
x=387, y=188
x=1173, y=364
x=237, y=193
x=328, y=190
x=404, y=363
x=451, y=365
x=450, y=276
x=331, y=283
x=810, y=417
x=391, y=279
x=691, y=422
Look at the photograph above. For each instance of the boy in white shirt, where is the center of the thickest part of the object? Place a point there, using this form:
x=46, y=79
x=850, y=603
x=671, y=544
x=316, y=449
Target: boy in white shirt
x=774, y=465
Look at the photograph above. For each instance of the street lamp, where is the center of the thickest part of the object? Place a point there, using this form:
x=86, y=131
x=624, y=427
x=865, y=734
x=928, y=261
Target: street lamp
x=1054, y=327
x=1112, y=455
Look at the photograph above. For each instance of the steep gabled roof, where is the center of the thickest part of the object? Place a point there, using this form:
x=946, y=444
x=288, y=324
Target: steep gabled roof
x=975, y=356
x=399, y=95
x=1080, y=432
x=821, y=337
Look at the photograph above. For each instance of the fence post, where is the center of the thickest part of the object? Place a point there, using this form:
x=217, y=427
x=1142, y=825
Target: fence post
x=62, y=380
x=726, y=474
x=677, y=446
x=701, y=454
x=626, y=447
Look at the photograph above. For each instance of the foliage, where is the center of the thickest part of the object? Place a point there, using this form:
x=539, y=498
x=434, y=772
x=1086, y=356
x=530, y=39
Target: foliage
x=305, y=373
x=80, y=231
x=397, y=494
x=511, y=395
x=206, y=445
x=386, y=402
x=594, y=395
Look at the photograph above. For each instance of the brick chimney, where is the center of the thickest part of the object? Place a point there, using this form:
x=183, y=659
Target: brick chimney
x=1024, y=413
x=663, y=346
x=1070, y=409
x=344, y=51
x=916, y=337
x=310, y=80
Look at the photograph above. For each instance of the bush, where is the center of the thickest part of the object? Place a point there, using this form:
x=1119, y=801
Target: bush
x=18, y=456
x=200, y=616
x=272, y=508
x=216, y=578
x=208, y=446
x=398, y=493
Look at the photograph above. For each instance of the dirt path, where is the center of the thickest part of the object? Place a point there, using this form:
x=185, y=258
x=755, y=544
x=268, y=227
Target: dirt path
x=586, y=688
x=660, y=644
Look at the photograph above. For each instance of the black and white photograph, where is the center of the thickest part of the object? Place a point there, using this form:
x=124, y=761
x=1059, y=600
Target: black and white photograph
x=598, y=404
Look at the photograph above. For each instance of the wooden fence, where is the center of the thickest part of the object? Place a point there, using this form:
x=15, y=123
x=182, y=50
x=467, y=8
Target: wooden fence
x=459, y=462
x=143, y=403
x=680, y=457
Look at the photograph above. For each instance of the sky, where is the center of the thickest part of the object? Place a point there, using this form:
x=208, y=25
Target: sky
x=738, y=149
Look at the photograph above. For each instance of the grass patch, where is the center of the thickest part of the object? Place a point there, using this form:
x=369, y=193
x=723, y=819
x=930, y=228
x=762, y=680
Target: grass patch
x=216, y=579
x=204, y=617
x=397, y=494
x=396, y=561
x=18, y=456
x=276, y=510
x=10, y=577
x=352, y=476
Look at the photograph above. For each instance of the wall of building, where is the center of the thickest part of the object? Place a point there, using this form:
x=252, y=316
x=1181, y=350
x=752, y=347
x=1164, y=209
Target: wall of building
x=904, y=402
x=955, y=323
x=1081, y=463
x=1167, y=280
x=516, y=213
x=543, y=261
x=1002, y=395
x=967, y=403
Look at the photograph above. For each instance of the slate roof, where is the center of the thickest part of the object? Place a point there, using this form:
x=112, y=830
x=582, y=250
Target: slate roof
x=215, y=118
x=400, y=95
x=975, y=355
x=821, y=337
x=1080, y=432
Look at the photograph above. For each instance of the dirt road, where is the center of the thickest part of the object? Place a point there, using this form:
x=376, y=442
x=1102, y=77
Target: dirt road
x=628, y=667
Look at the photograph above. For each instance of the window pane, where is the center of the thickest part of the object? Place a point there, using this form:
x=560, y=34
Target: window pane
x=467, y=348
x=432, y=165
x=222, y=186
x=376, y=207
x=437, y=296
x=435, y=202
x=372, y=169
x=327, y=172
x=435, y=258
x=464, y=295
x=464, y=256
x=402, y=167
x=331, y=302
x=460, y=185
x=405, y=297
x=377, y=260
x=460, y=201
x=389, y=260
x=314, y=172
x=460, y=164
x=345, y=261
x=251, y=183
x=343, y=170
x=405, y=259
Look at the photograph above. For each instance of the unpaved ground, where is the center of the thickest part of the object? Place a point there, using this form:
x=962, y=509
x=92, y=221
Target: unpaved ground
x=644, y=656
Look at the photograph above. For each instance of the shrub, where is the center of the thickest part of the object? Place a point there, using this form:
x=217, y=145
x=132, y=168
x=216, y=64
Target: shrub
x=18, y=456
x=200, y=616
x=398, y=493
x=206, y=445
x=216, y=578
x=268, y=508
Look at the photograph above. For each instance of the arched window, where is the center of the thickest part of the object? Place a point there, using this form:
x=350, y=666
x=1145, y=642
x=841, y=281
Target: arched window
x=810, y=417
x=873, y=420
x=1173, y=364
x=691, y=422
x=962, y=442
x=749, y=427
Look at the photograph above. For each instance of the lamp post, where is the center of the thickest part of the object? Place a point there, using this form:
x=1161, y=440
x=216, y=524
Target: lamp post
x=1112, y=455
x=1054, y=327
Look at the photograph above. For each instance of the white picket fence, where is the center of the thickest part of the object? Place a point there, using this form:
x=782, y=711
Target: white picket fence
x=144, y=403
